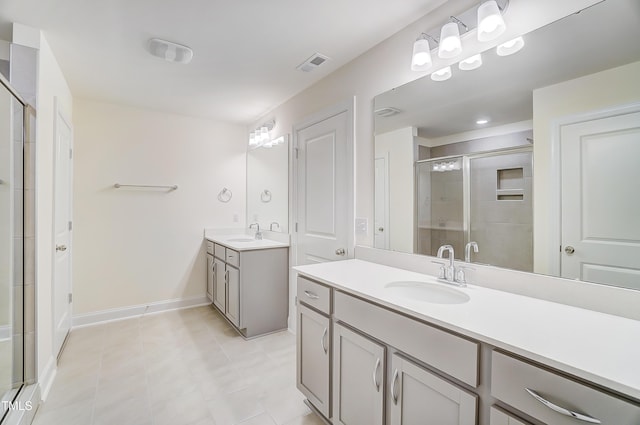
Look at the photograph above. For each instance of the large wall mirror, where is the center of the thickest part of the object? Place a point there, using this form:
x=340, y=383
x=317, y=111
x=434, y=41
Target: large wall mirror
x=268, y=185
x=534, y=156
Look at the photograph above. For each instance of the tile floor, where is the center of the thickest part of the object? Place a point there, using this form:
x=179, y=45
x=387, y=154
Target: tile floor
x=184, y=367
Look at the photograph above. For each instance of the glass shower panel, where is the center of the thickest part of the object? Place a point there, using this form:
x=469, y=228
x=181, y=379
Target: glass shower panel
x=440, y=198
x=501, y=209
x=11, y=246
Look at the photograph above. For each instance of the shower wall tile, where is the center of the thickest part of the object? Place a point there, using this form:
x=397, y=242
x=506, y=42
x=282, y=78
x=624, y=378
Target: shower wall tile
x=18, y=273
x=18, y=309
x=29, y=308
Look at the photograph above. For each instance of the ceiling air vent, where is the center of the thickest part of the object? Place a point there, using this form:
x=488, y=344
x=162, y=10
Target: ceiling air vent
x=312, y=63
x=386, y=112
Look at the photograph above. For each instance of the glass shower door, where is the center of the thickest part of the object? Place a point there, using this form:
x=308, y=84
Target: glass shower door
x=440, y=201
x=11, y=248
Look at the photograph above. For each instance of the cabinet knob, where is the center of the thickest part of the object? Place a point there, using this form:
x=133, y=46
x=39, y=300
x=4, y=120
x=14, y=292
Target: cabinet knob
x=380, y=229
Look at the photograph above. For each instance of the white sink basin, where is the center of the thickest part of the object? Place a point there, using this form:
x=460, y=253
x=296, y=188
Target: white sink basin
x=427, y=292
x=241, y=240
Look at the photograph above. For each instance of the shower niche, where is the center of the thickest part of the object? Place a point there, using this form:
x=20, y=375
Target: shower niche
x=484, y=197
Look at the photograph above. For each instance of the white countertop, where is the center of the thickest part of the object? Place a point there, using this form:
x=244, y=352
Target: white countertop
x=253, y=244
x=598, y=347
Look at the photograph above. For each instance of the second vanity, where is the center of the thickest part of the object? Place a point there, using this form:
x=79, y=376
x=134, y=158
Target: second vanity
x=381, y=345
x=247, y=281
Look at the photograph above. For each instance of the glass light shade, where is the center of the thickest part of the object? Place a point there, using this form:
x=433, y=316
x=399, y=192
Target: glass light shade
x=490, y=21
x=441, y=74
x=253, y=140
x=264, y=135
x=450, y=44
x=471, y=63
x=421, y=59
x=510, y=47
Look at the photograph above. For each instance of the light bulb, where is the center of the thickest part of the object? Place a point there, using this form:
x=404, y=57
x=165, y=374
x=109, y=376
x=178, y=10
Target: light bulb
x=421, y=59
x=252, y=139
x=471, y=63
x=490, y=21
x=441, y=74
x=450, y=44
x=510, y=47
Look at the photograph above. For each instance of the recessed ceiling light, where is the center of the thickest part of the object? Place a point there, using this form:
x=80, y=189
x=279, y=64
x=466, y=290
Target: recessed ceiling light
x=480, y=122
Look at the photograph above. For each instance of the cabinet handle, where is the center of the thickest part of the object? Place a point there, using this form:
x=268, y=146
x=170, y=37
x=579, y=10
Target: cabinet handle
x=226, y=276
x=562, y=410
x=311, y=295
x=394, y=396
x=324, y=335
x=375, y=375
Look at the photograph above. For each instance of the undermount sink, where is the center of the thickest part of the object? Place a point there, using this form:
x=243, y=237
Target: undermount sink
x=241, y=240
x=427, y=292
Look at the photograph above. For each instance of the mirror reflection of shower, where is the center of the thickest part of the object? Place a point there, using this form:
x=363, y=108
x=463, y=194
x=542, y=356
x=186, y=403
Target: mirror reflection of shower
x=484, y=197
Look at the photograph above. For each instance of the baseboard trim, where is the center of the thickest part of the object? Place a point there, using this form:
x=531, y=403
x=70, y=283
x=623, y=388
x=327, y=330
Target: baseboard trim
x=88, y=319
x=47, y=377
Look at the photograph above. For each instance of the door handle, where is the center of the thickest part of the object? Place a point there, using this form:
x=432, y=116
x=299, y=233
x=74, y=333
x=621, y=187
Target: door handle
x=61, y=247
x=340, y=251
x=569, y=249
x=375, y=375
x=394, y=396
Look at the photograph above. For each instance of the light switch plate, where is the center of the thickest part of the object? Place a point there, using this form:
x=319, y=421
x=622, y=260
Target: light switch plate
x=362, y=226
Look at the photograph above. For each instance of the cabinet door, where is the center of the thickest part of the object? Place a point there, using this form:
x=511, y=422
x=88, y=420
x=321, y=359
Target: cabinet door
x=219, y=286
x=358, y=379
x=313, y=356
x=419, y=397
x=498, y=417
x=233, y=295
x=210, y=277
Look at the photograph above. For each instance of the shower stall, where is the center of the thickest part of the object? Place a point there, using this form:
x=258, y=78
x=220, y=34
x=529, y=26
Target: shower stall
x=17, y=254
x=483, y=197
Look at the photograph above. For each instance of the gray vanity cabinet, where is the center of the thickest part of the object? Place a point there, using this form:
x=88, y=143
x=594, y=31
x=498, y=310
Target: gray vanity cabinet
x=251, y=288
x=313, y=357
x=417, y=394
x=358, y=378
x=498, y=417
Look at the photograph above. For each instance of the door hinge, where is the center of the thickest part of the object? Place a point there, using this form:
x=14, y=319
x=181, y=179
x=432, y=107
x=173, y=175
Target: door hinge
x=70, y=297
x=296, y=151
x=296, y=300
x=70, y=226
x=296, y=227
x=70, y=153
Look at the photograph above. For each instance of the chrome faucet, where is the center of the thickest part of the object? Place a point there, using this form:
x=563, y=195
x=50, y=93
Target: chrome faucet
x=467, y=250
x=271, y=225
x=258, y=232
x=447, y=272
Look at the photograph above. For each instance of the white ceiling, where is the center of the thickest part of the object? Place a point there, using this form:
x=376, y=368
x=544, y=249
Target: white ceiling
x=245, y=51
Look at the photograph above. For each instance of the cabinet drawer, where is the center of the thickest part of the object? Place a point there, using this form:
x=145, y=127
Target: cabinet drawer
x=233, y=257
x=219, y=251
x=454, y=355
x=555, y=397
x=315, y=295
x=209, y=247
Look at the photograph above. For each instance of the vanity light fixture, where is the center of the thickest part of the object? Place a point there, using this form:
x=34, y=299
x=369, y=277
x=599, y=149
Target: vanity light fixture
x=490, y=21
x=421, y=58
x=471, y=63
x=450, y=44
x=442, y=74
x=510, y=47
x=261, y=136
x=482, y=121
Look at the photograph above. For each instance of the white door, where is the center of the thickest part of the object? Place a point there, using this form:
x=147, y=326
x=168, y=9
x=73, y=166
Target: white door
x=62, y=228
x=381, y=215
x=324, y=190
x=600, y=171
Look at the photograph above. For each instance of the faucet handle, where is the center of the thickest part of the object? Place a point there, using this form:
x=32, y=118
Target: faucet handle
x=443, y=269
x=461, y=277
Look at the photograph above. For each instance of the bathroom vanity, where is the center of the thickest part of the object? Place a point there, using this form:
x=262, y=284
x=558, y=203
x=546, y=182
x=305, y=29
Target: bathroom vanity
x=384, y=345
x=247, y=281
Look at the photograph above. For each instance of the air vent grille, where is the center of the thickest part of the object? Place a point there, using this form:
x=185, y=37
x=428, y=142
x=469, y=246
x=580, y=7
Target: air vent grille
x=386, y=112
x=313, y=62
